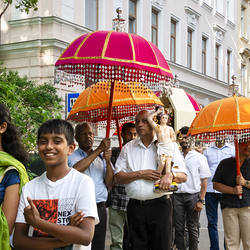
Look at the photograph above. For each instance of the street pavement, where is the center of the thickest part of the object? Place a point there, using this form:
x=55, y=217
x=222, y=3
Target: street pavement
x=204, y=243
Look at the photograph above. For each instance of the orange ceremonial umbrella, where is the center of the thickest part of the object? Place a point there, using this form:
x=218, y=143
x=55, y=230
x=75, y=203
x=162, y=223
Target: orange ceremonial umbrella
x=226, y=118
x=93, y=103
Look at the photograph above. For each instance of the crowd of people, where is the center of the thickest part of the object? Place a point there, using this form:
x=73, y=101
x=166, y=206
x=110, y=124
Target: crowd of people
x=66, y=207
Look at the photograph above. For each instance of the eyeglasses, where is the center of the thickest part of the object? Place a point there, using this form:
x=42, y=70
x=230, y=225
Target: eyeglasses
x=85, y=134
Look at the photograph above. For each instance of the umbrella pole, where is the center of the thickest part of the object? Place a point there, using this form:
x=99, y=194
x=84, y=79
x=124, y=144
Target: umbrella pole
x=119, y=133
x=237, y=155
x=111, y=98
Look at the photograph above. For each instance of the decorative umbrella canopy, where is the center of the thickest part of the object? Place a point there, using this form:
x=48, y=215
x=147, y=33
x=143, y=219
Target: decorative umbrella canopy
x=111, y=55
x=129, y=99
x=229, y=117
x=195, y=104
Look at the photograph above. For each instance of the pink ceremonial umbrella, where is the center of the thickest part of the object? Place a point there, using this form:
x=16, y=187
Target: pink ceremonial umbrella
x=111, y=55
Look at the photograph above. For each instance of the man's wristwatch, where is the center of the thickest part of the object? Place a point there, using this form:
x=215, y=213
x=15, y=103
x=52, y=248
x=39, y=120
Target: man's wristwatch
x=202, y=201
x=246, y=183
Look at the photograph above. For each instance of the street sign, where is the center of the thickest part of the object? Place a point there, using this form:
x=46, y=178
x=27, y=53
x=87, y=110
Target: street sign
x=70, y=99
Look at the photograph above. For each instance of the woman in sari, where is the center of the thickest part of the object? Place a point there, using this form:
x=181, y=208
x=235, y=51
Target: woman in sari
x=12, y=175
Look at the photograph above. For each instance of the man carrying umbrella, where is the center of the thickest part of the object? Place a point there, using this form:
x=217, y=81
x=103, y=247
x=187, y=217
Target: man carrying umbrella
x=235, y=211
x=149, y=213
x=98, y=167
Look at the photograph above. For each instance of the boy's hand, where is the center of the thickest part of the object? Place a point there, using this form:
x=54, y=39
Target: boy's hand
x=31, y=213
x=76, y=219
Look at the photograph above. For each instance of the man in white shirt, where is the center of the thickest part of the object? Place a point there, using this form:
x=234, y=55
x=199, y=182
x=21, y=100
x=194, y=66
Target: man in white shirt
x=190, y=197
x=215, y=154
x=149, y=213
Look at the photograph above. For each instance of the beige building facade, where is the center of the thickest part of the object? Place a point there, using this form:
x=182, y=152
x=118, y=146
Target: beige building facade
x=198, y=38
x=243, y=15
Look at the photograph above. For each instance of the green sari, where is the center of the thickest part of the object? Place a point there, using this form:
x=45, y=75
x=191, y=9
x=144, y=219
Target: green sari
x=8, y=162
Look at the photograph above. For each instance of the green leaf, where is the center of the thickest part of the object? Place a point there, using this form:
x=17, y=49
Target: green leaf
x=30, y=104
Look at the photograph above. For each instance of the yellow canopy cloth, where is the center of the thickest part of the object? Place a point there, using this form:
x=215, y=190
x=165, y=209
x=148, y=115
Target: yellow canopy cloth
x=7, y=160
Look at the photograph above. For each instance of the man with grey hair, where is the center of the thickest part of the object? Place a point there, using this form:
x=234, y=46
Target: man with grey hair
x=149, y=213
x=98, y=166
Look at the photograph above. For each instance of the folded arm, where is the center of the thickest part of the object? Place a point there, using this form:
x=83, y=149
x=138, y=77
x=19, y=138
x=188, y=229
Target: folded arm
x=125, y=178
x=64, y=235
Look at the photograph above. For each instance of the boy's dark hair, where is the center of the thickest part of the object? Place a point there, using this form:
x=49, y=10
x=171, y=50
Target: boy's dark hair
x=11, y=137
x=127, y=125
x=183, y=131
x=57, y=126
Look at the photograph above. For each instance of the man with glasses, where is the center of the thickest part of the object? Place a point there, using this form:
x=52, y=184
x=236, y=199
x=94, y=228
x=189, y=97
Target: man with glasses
x=98, y=166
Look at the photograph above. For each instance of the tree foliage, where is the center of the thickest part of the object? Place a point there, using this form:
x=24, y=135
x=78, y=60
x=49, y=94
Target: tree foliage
x=22, y=5
x=30, y=104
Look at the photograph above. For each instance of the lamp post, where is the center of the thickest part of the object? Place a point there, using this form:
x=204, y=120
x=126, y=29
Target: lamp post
x=119, y=23
x=176, y=81
x=233, y=89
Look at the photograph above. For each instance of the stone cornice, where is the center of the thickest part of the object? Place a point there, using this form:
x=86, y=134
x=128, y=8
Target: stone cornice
x=231, y=24
x=207, y=7
x=192, y=16
x=32, y=45
x=201, y=90
x=47, y=20
x=219, y=32
x=198, y=74
x=158, y=4
x=245, y=52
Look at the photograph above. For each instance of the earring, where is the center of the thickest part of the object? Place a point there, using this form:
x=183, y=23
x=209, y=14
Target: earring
x=180, y=136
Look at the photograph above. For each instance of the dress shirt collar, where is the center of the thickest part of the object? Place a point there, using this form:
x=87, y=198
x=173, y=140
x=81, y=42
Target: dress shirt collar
x=139, y=142
x=224, y=146
x=83, y=153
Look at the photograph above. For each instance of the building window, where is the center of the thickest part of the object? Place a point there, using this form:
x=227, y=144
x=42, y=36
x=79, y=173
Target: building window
x=217, y=47
x=154, y=27
x=132, y=16
x=173, y=41
x=242, y=78
x=228, y=66
x=219, y=6
x=242, y=22
x=208, y=2
x=189, y=49
x=204, y=55
x=91, y=14
x=230, y=10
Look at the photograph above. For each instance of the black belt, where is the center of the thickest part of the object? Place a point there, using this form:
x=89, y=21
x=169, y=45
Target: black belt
x=100, y=204
x=149, y=202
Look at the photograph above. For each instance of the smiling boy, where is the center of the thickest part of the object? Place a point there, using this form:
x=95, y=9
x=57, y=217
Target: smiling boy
x=47, y=202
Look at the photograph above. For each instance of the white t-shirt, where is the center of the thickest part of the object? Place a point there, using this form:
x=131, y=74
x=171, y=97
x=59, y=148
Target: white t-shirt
x=197, y=169
x=57, y=201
